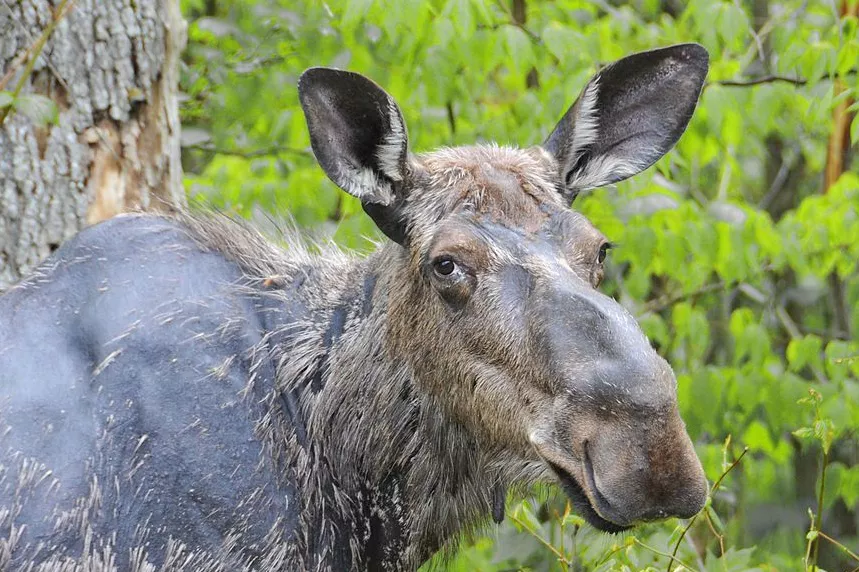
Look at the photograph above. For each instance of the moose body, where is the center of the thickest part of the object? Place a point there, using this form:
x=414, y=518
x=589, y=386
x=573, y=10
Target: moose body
x=178, y=393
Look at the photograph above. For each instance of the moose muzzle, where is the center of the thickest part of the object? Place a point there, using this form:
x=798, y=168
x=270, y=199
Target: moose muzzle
x=615, y=438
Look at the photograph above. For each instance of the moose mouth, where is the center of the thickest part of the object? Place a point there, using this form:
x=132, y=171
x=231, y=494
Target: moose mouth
x=580, y=500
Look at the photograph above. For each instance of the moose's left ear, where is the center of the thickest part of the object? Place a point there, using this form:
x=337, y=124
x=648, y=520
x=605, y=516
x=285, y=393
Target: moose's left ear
x=628, y=116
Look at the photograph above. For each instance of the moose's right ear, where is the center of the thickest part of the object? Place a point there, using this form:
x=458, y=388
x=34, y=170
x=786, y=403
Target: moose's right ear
x=359, y=138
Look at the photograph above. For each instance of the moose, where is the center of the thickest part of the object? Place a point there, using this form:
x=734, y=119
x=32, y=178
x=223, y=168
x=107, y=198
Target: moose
x=179, y=393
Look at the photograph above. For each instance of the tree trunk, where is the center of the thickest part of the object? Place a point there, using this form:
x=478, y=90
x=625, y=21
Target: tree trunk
x=111, y=67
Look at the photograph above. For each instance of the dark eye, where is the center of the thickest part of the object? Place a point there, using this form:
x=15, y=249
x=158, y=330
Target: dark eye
x=603, y=252
x=443, y=266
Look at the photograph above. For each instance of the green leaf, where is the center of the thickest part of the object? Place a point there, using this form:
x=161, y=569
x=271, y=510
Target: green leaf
x=6, y=99
x=40, y=109
x=758, y=438
x=519, y=49
x=733, y=23
x=526, y=517
x=354, y=12
x=803, y=433
x=805, y=351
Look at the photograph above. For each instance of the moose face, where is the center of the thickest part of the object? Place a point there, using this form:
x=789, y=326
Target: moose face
x=499, y=310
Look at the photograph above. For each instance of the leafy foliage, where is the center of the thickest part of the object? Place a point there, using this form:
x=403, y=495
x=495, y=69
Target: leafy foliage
x=736, y=256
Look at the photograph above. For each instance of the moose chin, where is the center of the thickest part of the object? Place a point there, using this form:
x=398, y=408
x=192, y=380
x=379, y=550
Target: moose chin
x=179, y=393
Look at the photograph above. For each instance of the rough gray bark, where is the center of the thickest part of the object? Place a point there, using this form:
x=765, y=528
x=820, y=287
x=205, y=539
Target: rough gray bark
x=112, y=68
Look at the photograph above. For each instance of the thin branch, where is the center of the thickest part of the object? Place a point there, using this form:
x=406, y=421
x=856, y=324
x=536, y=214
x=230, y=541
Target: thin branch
x=794, y=332
x=818, y=518
x=777, y=186
x=60, y=79
x=846, y=550
x=534, y=36
x=759, y=80
x=249, y=65
x=728, y=470
x=13, y=67
x=34, y=52
x=715, y=487
x=717, y=534
x=562, y=558
x=772, y=78
x=45, y=55
x=663, y=302
x=665, y=554
x=251, y=153
x=611, y=553
x=759, y=44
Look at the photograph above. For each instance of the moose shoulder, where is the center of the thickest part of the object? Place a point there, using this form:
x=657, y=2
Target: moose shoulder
x=177, y=393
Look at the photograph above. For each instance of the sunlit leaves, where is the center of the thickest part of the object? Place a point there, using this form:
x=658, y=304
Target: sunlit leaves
x=726, y=249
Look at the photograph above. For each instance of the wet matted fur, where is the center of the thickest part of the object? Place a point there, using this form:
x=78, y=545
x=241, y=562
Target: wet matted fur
x=180, y=393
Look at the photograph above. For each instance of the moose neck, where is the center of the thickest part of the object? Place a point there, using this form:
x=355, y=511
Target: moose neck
x=397, y=477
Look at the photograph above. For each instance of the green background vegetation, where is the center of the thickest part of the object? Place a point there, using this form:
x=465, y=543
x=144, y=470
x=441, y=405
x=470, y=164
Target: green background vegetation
x=736, y=255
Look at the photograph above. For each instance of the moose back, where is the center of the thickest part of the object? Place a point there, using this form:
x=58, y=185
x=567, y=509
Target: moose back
x=178, y=393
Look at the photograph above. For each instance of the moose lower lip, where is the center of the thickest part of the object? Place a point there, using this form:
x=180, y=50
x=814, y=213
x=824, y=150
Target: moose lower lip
x=601, y=502
x=582, y=504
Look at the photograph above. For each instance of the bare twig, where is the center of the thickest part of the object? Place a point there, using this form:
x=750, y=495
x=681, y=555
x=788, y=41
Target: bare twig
x=251, y=153
x=778, y=184
x=759, y=44
x=13, y=67
x=794, y=332
x=534, y=36
x=663, y=302
x=561, y=558
x=817, y=521
x=772, y=78
x=846, y=550
x=63, y=82
x=34, y=52
x=728, y=470
x=715, y=487
x=719, y=536
x=665, y=554
x=759, y=80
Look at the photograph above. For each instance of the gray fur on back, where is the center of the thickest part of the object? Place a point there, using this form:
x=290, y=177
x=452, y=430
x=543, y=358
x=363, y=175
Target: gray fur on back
x=181, y=394
x=374, y=473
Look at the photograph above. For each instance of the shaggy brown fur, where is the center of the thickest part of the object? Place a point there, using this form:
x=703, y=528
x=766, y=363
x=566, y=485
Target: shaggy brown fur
x=215, y=401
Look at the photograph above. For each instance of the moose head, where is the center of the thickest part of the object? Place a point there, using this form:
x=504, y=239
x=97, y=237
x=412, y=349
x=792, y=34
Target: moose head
x=494, y=301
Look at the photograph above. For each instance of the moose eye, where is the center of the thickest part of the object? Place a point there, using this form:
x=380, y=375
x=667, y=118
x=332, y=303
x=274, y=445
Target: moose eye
x=603, y=252
x=444, y=266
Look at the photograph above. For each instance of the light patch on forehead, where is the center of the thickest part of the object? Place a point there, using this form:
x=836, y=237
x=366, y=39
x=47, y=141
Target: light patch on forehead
x=507, y=183
x=577, y=241
x=580, y=233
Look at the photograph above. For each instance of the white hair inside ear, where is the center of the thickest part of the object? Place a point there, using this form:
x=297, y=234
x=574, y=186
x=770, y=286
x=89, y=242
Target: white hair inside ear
x=389, y=153
x=628, y=116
